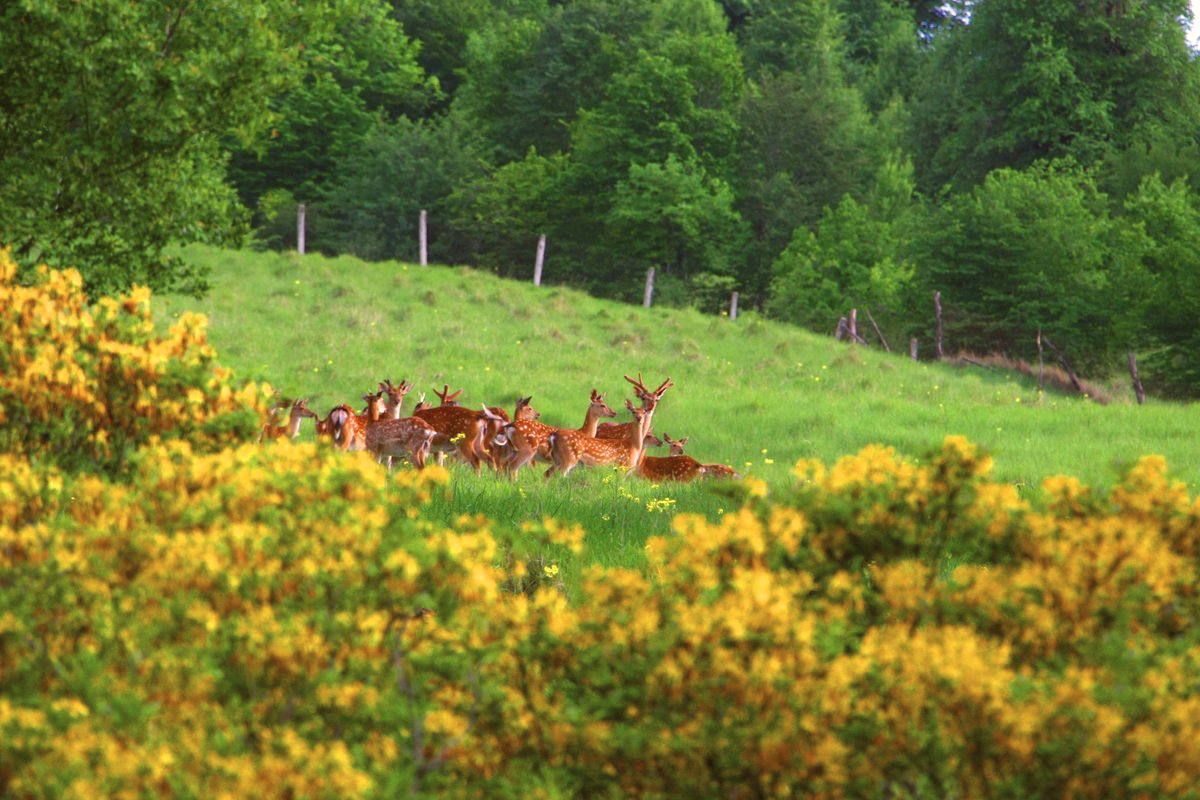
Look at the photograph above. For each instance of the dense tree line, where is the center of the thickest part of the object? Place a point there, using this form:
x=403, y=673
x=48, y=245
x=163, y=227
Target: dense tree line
x=1033, y=162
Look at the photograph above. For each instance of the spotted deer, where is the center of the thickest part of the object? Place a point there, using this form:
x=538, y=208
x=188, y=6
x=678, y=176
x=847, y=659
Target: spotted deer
x=409, y=438
x=459, y=430
x=649, y=399
x=568, y=449
x=298, y=413
x=674, y=467
x=530, y=440
x=350, y=429
x=496, y=442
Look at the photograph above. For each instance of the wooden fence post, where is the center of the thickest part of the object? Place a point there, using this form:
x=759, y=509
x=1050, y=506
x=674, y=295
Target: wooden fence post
x=1066, y=364
x=537, y=262
x=937, y=308
x=878, y=332
x=733, y=307
x=1137, y=382
x=1041, y=359
x=422, y=238
x=300, y=213
x=648, y=294
x=912, y=348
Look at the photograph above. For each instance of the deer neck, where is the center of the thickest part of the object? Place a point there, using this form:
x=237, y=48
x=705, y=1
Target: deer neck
x=637, y=438
x=591, y=421
x=293, y=429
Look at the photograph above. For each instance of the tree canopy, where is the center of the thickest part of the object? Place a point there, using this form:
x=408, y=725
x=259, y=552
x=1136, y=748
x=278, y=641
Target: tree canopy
x=1034, y=162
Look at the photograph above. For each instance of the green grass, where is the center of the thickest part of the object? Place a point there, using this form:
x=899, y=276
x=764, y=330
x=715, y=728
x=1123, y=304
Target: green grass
x=752, y=393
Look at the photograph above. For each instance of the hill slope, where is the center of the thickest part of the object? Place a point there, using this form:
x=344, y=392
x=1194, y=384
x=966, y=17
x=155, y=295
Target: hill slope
x=746, y=392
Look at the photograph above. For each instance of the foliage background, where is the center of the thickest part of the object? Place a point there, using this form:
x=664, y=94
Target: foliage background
x=1032, y=162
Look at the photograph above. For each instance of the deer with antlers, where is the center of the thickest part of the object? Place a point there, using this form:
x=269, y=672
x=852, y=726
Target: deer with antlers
x=530, y=440
x=649, y=400
x=394, y=396
x=299, y=411
x=568, y=449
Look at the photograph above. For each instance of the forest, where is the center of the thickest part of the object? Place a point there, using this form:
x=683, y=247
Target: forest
x=1032, y=163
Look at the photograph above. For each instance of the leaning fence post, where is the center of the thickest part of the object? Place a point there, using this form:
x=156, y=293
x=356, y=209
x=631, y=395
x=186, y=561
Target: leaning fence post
x=423, y=238
x=649, y=293
x=537, y=262
x=1137, y=382
x=300, y=212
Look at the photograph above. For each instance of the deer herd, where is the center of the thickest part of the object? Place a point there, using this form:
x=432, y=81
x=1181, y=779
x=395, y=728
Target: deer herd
x=489, y=436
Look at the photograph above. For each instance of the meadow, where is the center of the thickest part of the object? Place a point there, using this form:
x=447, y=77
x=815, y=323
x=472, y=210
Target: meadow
x=751, y=393
x=189, y=613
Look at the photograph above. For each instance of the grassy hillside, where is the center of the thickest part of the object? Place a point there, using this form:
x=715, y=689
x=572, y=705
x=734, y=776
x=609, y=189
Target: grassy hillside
x=750, y=393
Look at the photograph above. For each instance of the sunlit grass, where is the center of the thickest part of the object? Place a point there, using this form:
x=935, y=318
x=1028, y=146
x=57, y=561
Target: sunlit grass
x=752, y=394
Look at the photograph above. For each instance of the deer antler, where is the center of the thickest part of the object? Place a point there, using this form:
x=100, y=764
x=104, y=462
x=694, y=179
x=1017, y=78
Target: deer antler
x=645, y=394
x=446, y=397
x=639, y=388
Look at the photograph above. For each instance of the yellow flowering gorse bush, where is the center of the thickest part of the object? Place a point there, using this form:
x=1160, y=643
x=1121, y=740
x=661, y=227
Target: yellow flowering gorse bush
x=224, y=619
x=82, y=385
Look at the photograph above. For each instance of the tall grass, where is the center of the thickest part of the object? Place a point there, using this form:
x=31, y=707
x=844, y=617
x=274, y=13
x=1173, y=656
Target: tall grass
x=752, y=393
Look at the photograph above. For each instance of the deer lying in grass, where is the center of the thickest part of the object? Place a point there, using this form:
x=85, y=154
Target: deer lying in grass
x=299, y=411
x=673, y=467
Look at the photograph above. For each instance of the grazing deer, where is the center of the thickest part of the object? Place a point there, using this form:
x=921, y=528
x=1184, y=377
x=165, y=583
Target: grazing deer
x=674, y=467
x=571, y=448
x=530, y=440
x=620, y=430
x=298, y=413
